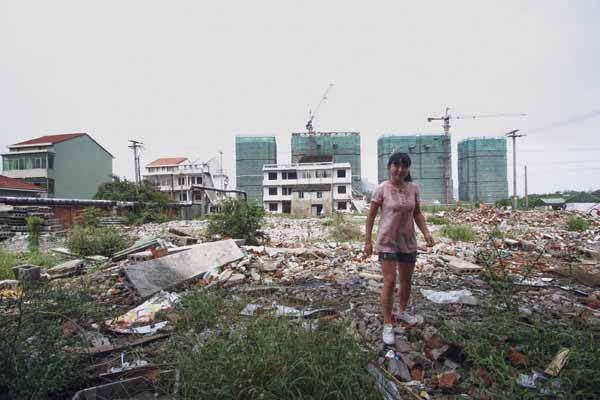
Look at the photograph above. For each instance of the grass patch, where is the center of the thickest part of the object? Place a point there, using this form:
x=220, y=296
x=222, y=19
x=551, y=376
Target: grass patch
x=96, y=241
x=462, y=233
x=486, y=344
x=267, y=358
x=35, y=257
x=343, y=229
x=437, y=220
x=577, y=224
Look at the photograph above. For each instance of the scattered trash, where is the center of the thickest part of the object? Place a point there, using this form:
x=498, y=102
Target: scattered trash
x=558, y=362
x=278, y=310
x=139, y=320
x=539, y=381
x=455, y=296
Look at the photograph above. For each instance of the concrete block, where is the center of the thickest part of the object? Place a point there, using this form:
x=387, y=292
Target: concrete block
x=461, y=266
x=151, y=276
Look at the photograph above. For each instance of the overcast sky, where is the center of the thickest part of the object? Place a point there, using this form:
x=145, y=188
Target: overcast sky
x=185, y=77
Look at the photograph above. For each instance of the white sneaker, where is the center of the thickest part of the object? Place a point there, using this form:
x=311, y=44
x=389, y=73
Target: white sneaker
x=389, y=337
x=411, y=319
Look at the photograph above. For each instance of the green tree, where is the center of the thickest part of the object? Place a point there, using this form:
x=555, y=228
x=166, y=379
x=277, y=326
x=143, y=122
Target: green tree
x=239, y=220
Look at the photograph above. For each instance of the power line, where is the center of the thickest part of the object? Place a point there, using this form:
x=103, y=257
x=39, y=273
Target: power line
x=568, y=121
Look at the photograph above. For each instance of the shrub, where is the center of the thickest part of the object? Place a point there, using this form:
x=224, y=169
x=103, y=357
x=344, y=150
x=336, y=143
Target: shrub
x=34, y=229
x=237, y=219
x=577, y=224
x=91, y=216
x=95, y=241
x=7, y=261
x=463, y=233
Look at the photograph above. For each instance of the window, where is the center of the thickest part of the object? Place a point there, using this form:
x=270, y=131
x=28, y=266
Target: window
x=50, y=161
x=181, y=180
x=183, y=196
x=286, y=191
x=319, y=195
x=272, y=176
x=289, y=175
x=273, y=207
x=300, y=195
x=341, y=205
x=341, y=189
x=341, y=173
x=273, y=191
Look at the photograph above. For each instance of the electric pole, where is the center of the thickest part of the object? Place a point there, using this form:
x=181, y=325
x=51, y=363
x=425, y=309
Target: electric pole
x=526, y=194
x=136, y=146
x=221, y=171
x=514, y=136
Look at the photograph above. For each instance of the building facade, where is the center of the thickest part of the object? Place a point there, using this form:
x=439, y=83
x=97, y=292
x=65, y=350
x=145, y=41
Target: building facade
x=427, y=162
x=177, y=177
x=251, y=154
x=307, y=189
x=67, y=165
x=482, y=170
x=341, y=147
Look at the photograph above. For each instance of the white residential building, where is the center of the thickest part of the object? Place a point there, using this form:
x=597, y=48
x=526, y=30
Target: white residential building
x=307, y=189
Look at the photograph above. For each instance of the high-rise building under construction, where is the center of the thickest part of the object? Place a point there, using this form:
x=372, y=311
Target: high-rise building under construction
x=482, y=170
x=251, y=153
x=338, y=147
x=427, y=162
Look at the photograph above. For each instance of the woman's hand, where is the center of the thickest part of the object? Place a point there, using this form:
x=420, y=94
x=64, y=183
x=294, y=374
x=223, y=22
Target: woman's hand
x=368, y=250
x=429, y=239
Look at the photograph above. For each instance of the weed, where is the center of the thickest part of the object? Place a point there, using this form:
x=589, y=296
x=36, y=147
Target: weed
x=577, y=224
x=7, y=261
x=486, y=344
x=497, y=233
x=463, y=233
x=201, y=311
x=34, y=229
x=437, y=220
x=35, y=257
x=270, y=358
x=34, y=362
x=95, y=241
x=342, y=229
x=239, y=220
x=91, y=216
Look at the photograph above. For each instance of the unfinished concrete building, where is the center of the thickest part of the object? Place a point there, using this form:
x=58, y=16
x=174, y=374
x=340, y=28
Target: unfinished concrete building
x=482, y=170
x=308, y=189
x=337, y=147
x=427, y=156
x=251, y=154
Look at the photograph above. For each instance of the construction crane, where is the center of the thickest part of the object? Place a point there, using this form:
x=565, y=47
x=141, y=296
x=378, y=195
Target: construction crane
x=313, y=113
x=446, y=142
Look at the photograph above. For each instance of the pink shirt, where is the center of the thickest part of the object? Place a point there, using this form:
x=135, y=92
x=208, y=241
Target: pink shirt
x=396, y=230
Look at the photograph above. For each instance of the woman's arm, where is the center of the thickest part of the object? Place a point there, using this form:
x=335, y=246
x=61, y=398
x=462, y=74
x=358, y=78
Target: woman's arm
x=422, y=224
x=373, y=210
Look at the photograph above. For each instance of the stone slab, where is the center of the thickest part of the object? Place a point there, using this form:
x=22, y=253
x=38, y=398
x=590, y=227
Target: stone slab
x=150, y=277
x=67, y=268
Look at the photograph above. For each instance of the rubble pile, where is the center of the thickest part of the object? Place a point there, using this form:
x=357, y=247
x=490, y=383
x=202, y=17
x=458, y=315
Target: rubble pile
x=299, y=274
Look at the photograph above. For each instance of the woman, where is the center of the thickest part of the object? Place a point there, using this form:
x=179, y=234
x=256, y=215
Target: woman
x=396, y=245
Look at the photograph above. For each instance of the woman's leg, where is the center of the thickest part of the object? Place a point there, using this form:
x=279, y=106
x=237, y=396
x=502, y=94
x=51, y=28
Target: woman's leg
x=388, y=268
x=405, y=271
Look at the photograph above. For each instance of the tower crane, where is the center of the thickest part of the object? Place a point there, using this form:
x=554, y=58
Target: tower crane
x=313, y=113
x=446, y=143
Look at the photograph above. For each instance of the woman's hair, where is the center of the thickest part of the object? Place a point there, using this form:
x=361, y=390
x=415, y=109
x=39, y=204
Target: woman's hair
x=400, y=159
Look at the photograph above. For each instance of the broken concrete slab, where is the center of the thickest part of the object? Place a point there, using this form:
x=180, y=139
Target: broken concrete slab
x=275, y=251
x=66, y=269
x=179, y=231
x=150, y=277
x=269, y=266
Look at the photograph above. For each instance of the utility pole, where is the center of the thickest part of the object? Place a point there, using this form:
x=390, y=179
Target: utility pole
x=514, y=136
x=526, y=195
x=135, y=146
x=221, y=171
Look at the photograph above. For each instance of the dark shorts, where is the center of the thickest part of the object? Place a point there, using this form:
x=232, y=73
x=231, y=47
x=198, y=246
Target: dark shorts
x=399, y=257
